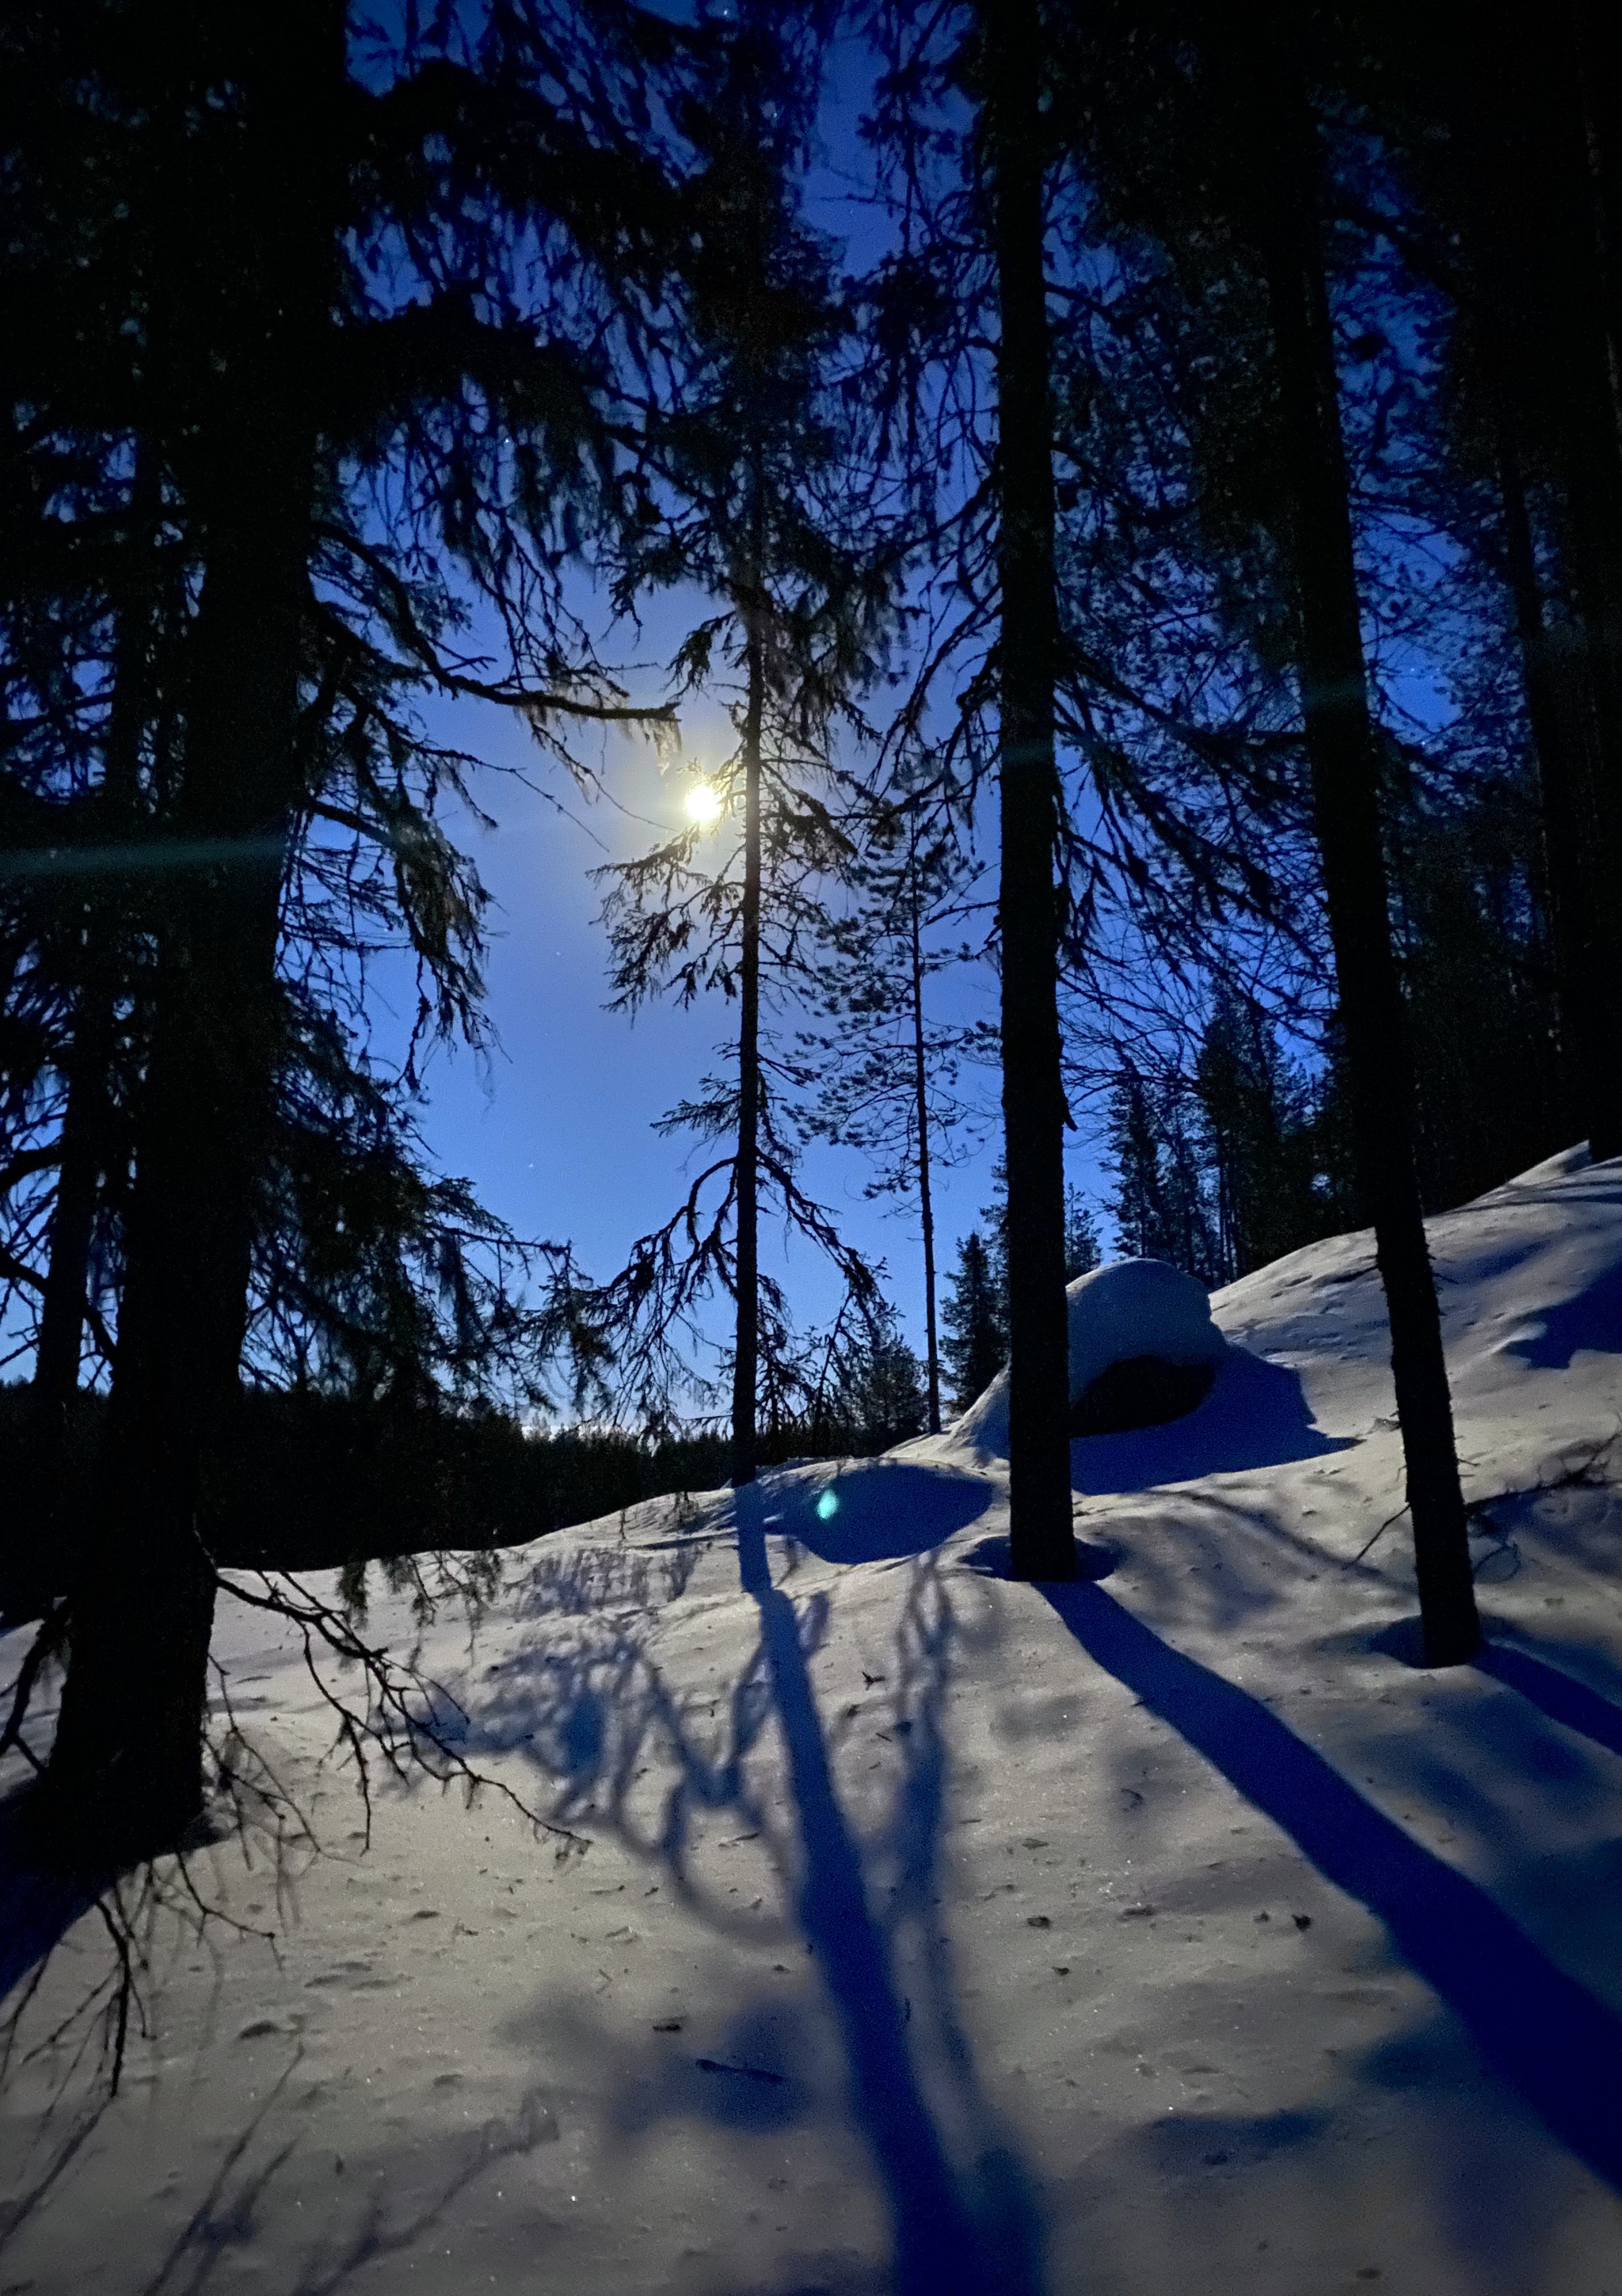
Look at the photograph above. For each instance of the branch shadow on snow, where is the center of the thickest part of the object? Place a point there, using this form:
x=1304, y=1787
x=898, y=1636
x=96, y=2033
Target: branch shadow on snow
x=356, y=2230
x=1557, y=2045
x=974, y=2234
x=1256, y=1415
x=665, y=1768
x=271, y=2195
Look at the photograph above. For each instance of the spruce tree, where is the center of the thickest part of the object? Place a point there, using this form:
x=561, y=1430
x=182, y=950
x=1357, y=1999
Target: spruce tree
x=268, y=363
x=975, y=1347
x=1138, y=1206
x=1276, y=153
x=1083, y=1252
x=1258, y=1139
x=752, y=465
x=885, y=1081
x=1041, y=1534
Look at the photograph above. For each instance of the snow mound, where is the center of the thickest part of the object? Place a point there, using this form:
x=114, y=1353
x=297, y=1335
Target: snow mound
x=1131, y=1308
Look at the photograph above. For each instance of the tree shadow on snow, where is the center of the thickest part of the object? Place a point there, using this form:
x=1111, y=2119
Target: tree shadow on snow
x=1256, y=1415
x=952, y=2232
x=1556, y=2044
x=1560, y=1695
x=1555, y=1693
x=667, y=1768
x=1591, y=1319
x=38, y=1908
x=871, y=1510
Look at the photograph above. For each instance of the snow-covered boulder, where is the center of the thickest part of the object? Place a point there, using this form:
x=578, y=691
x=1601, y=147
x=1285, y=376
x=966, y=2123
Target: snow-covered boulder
x=1130, y=1309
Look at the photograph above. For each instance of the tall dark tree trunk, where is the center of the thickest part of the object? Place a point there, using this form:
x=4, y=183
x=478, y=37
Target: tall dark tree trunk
x=1522, y=311
x=1581, y=396
x=926, y=1202
x=1588, y=1006
x=1283, y=153
x=1598, y=48
x=1042, y=1536
x=85, y=1142
x=52, y=1556
x=82, y=1148
x=746, y=1351
x=1596, y=571
x=126, y=1774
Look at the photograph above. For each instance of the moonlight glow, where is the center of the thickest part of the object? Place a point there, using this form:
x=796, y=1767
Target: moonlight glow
x=703, y=804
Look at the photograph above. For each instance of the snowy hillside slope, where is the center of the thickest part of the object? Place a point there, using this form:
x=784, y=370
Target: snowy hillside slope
x=1166, y=1933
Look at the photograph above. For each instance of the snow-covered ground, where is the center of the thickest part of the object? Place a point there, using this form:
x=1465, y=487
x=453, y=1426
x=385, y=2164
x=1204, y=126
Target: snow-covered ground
x=1169, y=1933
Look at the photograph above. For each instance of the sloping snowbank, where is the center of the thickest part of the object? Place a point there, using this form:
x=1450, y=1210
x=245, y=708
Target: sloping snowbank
x=1167, y=1934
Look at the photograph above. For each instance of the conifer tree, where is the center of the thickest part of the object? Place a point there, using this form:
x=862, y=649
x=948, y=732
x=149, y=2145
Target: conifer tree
x=976, y=1344
x=269, y=361
x=1138, y=1206
x=1258, y=1139
x=868, y=1393
x=753, y=464
x=1277, y=150
x=1493, y=153
x=1082, y=1249
x=1083, y=1252
x=1041, y=1534
x=1204, y=136
x=886, y=1080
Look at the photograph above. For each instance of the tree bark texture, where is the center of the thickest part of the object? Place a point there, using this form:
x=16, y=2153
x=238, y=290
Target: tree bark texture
x=1588, y=1004
x=1341, y=753
x=746, y=1351
x=1525, y=299
x=1597, y=44
x=1583, y=400
x=85, y=1140
x=1042, y=1538
x=926, y=1204
x=126, y=1774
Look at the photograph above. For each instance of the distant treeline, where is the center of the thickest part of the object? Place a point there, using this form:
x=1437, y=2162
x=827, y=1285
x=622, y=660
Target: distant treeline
x=317, y=1482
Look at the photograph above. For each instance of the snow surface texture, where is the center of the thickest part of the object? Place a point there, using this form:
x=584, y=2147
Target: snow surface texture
x=1132, y=1307
x=1166, y=1936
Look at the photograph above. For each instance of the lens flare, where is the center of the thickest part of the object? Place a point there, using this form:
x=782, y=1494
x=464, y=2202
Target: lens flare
x=827, y=1506
x=703, y=804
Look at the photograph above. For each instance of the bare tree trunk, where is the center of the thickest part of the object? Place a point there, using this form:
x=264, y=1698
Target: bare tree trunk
x=920, y=1086
x=1561, y=776
x=126, y=1774
x=86, y=1120
x=1583, y=399
x=745, y=1352
x=1514, y=191
x=1341, y=753
x=1598, y=45
x=84, y=1134
x=1042, y=1536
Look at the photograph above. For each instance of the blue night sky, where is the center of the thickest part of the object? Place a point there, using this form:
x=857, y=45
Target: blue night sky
x=555, y=1128
x=555, y=1131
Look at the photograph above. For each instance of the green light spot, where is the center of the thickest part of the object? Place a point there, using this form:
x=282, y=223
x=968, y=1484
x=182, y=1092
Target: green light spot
x=827, y=1505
